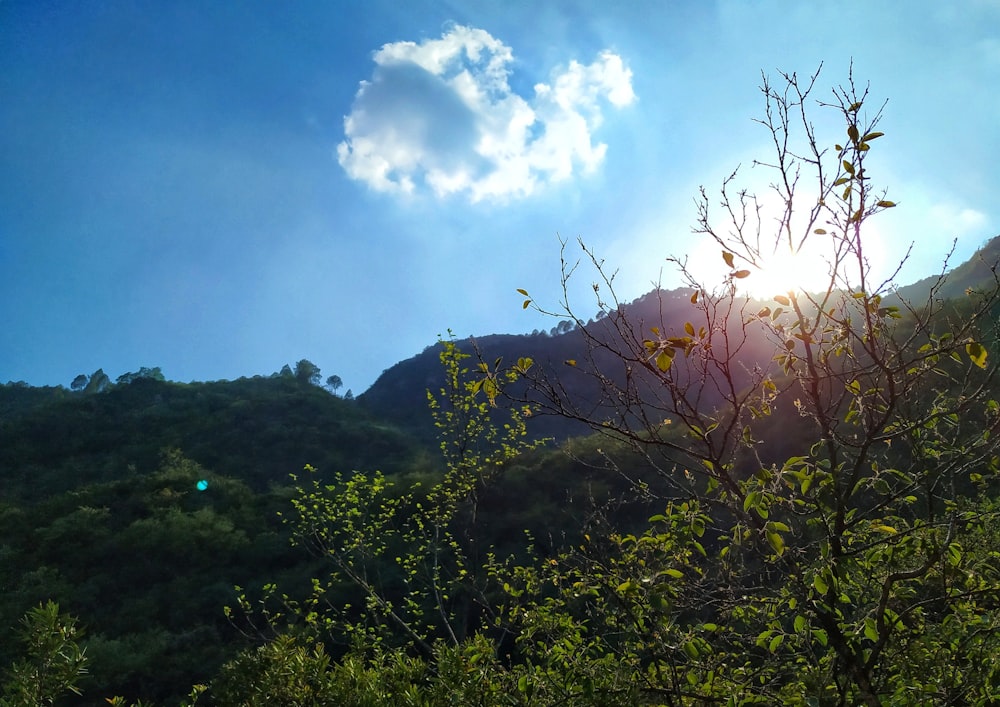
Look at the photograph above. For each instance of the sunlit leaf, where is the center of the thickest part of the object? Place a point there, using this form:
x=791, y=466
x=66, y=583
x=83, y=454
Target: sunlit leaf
x=977, y=353
x=694, y=297
x=689, y=328
x=728, y=257
x=781, y=299
x=820, y=231
x=664, y=361
x=871, y=136
x=777, y=542
x=854, y=107
x=740, y=274
x=885, y=204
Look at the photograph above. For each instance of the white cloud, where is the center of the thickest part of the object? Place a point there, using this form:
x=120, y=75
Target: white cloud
x=440, y=114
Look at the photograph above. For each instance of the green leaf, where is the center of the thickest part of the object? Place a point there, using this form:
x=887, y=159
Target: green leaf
x=800, y=623
x=689, y=328
x=885, y=204
x=675, y=573
x=848, y=167
x=776, y=541
x=664, y=360
x=776, y=642
x=871, y=136
x=821, y=586
x=820, y=636
x=523, y=292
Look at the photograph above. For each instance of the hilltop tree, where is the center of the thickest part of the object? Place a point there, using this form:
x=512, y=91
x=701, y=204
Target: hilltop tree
x=98, y=383
x=307, y=372
x=334, y=383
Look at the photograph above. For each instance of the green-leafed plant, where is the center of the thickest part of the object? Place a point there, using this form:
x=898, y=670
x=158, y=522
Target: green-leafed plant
x=52, y=662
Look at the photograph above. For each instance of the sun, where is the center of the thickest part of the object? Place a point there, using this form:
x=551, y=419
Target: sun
x=785, y=272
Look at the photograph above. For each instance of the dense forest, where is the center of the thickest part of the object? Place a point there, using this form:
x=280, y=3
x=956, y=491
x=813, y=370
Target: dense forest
x=694, y=498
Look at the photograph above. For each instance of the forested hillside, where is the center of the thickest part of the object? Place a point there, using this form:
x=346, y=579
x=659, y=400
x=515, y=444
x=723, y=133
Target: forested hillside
x=101, y=511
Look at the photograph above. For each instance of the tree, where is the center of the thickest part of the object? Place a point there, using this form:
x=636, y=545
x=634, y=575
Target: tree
x=307, y=372
x=144, y=372
x=80, y=382
x=851, y=571
x=52, y=664
x=334, y=383
x=99, y=382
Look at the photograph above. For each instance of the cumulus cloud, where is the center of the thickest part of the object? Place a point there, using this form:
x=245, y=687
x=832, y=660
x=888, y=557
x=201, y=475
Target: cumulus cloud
x=441, y=115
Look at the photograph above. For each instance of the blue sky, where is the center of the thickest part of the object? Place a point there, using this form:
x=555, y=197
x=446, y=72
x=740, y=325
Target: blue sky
x=222, y=188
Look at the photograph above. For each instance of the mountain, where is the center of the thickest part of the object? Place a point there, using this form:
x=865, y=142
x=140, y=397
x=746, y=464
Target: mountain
x=399, y=394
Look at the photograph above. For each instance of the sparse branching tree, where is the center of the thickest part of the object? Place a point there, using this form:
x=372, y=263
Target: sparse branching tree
x=412, y=554
x=852, y=569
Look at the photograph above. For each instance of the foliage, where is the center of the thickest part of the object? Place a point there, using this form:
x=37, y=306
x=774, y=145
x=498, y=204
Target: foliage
x=408, y=552
x=52, y=662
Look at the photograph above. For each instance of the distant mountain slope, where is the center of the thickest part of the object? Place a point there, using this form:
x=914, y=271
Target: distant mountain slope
x=399, y=394
x=257, y=430
x=978, y=272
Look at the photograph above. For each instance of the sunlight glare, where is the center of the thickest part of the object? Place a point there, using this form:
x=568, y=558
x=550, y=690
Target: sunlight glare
x=786, y=272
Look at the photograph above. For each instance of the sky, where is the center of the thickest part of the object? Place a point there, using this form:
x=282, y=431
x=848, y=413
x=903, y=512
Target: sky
x=220, y=189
